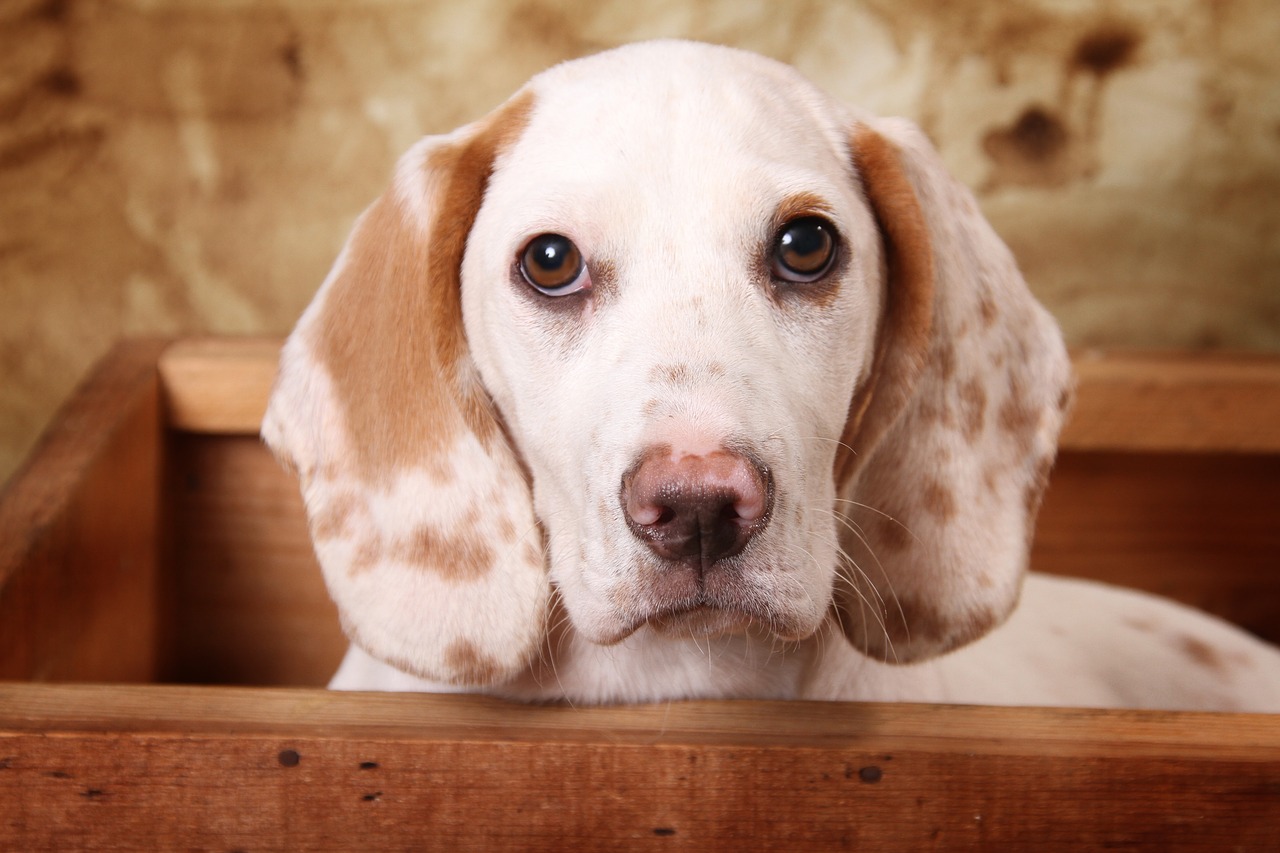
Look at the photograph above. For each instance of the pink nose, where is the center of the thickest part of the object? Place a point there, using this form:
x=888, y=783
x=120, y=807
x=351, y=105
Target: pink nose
x=699, y=508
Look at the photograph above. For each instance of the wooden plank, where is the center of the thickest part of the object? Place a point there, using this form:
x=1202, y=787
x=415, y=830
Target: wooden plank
x=1148, y=402
x=249, y=604
x=218, y=385
x=79, y=533
x=1175, y=402
x=103, y=767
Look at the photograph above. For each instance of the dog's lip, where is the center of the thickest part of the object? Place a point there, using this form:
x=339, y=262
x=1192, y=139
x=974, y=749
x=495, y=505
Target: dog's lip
x=700, y=620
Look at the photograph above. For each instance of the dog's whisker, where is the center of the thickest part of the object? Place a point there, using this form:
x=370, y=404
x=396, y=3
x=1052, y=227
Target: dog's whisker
x=865, y=604
x=882, y=514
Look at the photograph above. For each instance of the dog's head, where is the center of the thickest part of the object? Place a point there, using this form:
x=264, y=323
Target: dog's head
x=676, y=336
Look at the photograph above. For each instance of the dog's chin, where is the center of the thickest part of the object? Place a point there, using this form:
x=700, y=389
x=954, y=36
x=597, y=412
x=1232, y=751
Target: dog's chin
x=698, y=622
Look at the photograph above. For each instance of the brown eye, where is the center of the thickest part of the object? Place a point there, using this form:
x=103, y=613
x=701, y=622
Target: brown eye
x=553, y=265
x=804, y=249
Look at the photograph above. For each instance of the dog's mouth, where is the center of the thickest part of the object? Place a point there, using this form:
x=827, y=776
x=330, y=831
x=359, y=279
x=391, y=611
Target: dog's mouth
x=700, y=621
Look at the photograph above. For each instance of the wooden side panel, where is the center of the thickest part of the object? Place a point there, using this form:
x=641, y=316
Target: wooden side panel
x=79, y=571
x=249, y=604
x=303, y=770
x=1203, y=529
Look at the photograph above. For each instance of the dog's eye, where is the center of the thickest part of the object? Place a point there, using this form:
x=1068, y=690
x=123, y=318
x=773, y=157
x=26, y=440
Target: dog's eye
x=553, y=265
x=804, y=249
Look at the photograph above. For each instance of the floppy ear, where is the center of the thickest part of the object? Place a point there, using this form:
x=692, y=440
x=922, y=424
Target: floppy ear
x=420, y=511
x=951, y=439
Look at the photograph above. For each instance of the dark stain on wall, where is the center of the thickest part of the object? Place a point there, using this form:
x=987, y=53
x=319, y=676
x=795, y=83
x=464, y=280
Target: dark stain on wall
x=1105, y=49
x=1034, y=150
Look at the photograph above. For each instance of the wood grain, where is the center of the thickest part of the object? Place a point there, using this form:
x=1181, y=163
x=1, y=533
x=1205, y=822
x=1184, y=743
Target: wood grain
x=304, y=770
x=79, y=535
x=1177, y=402
x=218, y=385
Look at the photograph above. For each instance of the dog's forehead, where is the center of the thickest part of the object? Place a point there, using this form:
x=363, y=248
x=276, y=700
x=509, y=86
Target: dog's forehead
x=681, y=113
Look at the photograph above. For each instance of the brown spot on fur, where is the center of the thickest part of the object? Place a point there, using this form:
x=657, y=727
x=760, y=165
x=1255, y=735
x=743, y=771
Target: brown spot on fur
x=923, y=624
x=945, y=358
x=1202, y=653
x=650, y=407
x=1018, y=416
x=671, y=374
x=932, y=411
x=368, y=555
x=469, y=665
x=461, y=555
x=332, y=521
x=891, y=533
x=390, y=331
x=506, y=529
x=988, y=308
x=885, y=532
x=938, y=501
x=532, y=553
x=973, y=409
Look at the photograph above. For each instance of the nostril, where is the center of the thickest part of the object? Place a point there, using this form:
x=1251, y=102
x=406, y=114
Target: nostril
x=751, y=506
x=704, y=506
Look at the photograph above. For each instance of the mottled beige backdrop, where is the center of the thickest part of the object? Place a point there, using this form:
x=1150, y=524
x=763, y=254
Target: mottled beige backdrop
x=173, y=167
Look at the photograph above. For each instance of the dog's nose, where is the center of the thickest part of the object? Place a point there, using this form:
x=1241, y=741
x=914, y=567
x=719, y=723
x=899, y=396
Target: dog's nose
x=704, y=507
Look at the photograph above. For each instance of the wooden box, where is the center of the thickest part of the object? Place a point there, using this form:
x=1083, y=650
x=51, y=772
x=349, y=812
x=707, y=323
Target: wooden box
x=164, y=635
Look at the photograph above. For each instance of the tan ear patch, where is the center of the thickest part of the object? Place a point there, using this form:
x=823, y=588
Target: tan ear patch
x=417, y=501
x=391, y=328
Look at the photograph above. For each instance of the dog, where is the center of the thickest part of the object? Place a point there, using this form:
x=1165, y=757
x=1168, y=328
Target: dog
x=673, y=378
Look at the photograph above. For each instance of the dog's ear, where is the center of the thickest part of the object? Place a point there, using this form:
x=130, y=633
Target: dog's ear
x=419, y=509
x=949, y=442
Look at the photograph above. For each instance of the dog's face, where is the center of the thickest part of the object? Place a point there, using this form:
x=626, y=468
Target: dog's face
x=675, y=286
x=676, y=337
